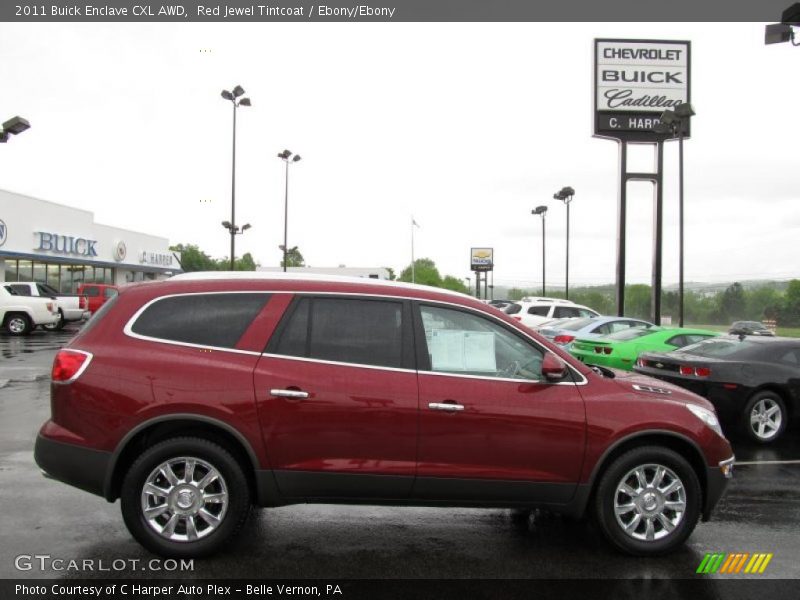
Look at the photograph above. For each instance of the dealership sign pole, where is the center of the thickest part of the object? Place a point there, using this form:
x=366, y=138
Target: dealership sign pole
x=635, y=81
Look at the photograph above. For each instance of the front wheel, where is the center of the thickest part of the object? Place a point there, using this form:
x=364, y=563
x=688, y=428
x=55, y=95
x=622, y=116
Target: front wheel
x=648, y=501
x=185, y=498
x=765, y=417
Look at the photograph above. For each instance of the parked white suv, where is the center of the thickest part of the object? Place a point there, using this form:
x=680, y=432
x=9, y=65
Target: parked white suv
x=536, y=311
x=20, y=314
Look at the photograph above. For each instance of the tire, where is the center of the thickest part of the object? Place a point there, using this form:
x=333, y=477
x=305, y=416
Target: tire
x=765, y=417
x=184, y=506
x=649, y=505
x=58, y=325
x=18, y=324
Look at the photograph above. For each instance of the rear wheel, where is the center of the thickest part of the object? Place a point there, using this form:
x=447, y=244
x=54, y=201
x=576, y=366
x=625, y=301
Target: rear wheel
x=765, y=417
x=648, y=501
x=185, y=497
x=18, y=324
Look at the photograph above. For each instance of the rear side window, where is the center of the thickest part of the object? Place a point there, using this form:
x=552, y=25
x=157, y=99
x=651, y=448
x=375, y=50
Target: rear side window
x=204, y=319
x=541, y=311
x=20, y=290
x=366, y=332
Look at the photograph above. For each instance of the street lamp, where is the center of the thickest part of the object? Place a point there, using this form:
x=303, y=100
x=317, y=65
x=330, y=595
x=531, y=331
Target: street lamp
x=777, y=33
x=565, y=195
x=13, y=126
x=672, y=123
x=542, y=211
x=234, y=231
x=287, y=157
x=236, y=101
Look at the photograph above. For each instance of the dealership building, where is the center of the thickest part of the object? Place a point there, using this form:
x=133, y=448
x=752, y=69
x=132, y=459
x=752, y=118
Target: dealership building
x=64, y=247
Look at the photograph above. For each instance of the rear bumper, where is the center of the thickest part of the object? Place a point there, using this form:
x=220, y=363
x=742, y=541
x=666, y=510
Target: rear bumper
x=81, y=467
x=75, y=314
x=717, y=479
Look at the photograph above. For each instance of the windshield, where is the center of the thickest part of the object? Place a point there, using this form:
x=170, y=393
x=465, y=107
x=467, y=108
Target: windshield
x=722, y=348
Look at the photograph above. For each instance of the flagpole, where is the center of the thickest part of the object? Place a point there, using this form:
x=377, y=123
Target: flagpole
x=413, y=267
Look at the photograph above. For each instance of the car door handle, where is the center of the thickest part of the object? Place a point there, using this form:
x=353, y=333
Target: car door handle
x=446, y=406
x=293, y=394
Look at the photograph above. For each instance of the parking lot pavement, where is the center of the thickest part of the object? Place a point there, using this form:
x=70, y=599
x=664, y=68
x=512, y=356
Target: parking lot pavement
x=760, y=513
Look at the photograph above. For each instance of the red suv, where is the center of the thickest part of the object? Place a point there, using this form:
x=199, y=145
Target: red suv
x=194, y=398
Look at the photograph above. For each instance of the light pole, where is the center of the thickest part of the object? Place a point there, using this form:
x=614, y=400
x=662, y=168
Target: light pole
x=542, y=211
x=565, y=195
x=469, y=285
x=672, y=123
x=287, y=157
x=13, y=126
x=236, y=101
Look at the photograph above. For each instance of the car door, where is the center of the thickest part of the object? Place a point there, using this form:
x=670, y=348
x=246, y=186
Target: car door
x=337, y=398
x=491, y=428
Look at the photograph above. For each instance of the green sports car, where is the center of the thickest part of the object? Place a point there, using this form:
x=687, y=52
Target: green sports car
x=620, y=350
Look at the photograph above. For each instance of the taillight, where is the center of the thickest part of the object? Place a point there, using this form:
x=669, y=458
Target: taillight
x=641, y=362
x=69, y=364
x=563, y=339
x=607, y=350
x=83, y=302
x=49, y=307
x=697, y=371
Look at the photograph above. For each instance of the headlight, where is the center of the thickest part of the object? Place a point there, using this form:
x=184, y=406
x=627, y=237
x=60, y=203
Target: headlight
x=706, y=416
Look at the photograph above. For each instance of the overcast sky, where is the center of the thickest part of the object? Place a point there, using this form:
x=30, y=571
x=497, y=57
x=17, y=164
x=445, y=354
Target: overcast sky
x=467, y=127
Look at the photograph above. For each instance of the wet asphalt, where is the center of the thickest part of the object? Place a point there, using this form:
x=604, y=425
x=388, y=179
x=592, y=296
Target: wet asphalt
x=759, y=513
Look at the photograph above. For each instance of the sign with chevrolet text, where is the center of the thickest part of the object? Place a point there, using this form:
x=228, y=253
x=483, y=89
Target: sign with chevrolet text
x=481, y=259
x=636, y=81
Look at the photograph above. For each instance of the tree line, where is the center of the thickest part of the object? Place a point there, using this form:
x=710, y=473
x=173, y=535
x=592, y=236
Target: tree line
x=735, y=303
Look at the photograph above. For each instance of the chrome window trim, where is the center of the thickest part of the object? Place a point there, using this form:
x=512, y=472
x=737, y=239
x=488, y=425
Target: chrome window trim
x=127, y=330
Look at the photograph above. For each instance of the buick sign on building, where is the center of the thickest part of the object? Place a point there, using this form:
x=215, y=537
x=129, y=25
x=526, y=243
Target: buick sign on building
x=63, y=246
x=636, y=81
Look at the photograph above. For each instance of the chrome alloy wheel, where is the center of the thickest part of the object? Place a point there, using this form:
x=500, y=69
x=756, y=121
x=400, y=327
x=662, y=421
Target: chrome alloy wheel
x=766, y=418
x=184, y=499
x=650, y=502
x=17, y=325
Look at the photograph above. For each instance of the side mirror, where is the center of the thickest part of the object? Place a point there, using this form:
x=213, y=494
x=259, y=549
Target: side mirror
x=553, y=368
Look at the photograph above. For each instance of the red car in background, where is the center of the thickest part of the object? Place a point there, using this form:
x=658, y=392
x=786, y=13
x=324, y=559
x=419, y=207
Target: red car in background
x=194, y=398
x=97, y=294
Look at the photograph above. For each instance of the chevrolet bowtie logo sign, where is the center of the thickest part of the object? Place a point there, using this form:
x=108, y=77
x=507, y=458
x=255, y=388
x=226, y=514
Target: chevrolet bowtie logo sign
x=734, y=563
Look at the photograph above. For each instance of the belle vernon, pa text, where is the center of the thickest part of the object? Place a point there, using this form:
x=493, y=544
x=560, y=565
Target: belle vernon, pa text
x=169, y=591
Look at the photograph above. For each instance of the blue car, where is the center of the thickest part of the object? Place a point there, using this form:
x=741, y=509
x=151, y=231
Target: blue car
x=564, y=331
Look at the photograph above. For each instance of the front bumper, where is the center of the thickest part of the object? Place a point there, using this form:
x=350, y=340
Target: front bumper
x=81, y=467
x=717, y=479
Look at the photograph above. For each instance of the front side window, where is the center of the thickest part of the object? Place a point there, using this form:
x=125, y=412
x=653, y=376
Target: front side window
x=467, y=344
x=46, y=290
x=350, y=330
x=215, y=319
x=567, y=312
